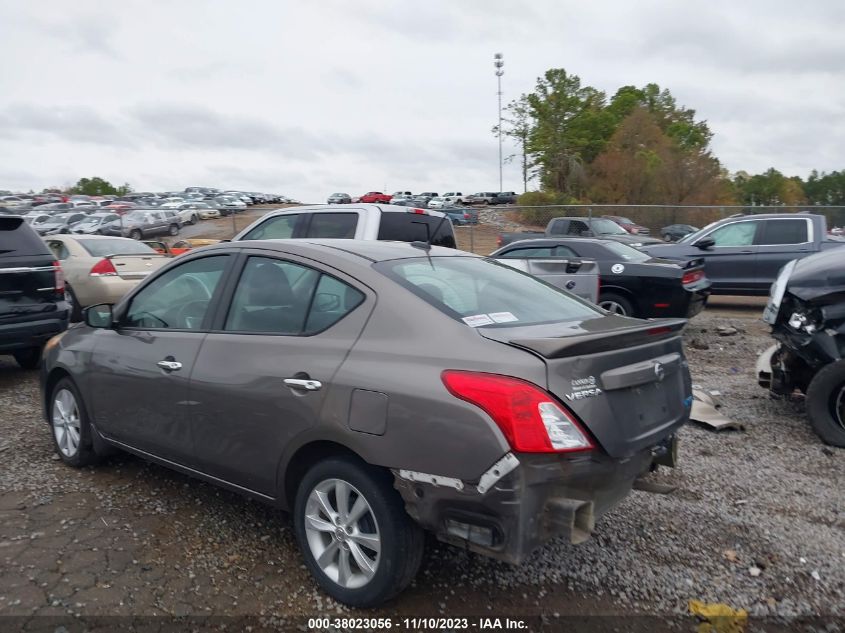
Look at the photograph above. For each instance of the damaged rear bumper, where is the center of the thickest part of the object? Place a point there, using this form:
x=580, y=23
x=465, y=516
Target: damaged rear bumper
x=533, y=499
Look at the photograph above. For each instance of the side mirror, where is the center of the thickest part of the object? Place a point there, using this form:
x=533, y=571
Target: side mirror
x=99, y=316
x=705, y=243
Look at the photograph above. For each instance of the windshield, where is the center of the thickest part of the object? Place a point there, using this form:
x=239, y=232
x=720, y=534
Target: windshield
x=628, y=253
x=600, y=226
x=481, y=292
x=117, y=246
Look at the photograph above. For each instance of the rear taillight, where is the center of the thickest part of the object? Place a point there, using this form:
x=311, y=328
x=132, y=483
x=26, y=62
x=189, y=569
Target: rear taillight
x=692, y=276
x=499, y=240
x=58, y=278
x=103, y=268
x=531, y=420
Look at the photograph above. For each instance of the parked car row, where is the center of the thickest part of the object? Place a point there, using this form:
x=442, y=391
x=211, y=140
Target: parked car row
x=424, y=199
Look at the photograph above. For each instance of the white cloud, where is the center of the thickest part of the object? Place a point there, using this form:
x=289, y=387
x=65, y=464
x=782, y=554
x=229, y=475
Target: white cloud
x=311, y=98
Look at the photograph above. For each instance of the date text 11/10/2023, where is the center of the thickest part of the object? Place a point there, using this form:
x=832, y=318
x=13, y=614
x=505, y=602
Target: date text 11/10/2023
x=417, y=624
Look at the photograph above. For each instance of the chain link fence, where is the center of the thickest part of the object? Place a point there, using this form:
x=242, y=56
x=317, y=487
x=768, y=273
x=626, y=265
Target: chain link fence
x=655, y=220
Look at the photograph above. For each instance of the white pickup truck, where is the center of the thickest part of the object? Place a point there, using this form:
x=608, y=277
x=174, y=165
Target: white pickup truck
x=353, y=221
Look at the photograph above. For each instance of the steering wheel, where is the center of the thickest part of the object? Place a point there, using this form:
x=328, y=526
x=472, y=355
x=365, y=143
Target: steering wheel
x=197, y=288
x=191, y=310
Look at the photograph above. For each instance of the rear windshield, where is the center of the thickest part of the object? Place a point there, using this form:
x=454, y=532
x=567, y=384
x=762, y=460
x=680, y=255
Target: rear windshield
x=18, y=238
x=483, y=293
x=413, y=227
x=117, y=246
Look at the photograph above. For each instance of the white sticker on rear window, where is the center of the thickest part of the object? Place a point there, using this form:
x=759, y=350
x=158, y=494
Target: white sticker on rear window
x=476, y=320
x=502, y=317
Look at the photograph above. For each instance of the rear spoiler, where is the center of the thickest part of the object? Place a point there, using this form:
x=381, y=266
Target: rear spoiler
x=581, y=344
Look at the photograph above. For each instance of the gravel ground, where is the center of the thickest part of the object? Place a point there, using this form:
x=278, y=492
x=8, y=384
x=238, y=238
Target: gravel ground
x=757, y=521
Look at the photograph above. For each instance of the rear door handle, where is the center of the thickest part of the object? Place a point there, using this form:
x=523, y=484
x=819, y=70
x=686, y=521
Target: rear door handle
x=300, y=383
x=169, y=365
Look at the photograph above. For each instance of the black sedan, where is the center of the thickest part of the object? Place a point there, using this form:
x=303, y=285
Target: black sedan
x=632, y=283
x=674, y=232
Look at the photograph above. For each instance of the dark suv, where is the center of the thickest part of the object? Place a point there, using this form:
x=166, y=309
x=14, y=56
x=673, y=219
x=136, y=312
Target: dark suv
x=32, y=305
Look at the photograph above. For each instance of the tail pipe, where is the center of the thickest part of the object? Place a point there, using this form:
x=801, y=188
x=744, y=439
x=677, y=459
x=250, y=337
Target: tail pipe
x=571, y=516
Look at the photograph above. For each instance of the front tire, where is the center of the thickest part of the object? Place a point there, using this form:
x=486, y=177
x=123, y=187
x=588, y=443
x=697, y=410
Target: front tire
x=69, y=423
x=174, y=229
x=135, y=234
x=826, y=404
x=358, y=541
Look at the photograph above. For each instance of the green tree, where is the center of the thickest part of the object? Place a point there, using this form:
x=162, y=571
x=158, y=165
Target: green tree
x=518, y=124
x=571, y=127
x=96, y=186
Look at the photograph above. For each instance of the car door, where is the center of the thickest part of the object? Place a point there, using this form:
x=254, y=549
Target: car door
x=141, y=367
x=264, y=373
x=731, y=263
x=780, y=241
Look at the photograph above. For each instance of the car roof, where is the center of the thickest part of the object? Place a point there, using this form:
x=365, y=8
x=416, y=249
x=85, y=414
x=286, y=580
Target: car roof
x=384, y=208
x=371, y=250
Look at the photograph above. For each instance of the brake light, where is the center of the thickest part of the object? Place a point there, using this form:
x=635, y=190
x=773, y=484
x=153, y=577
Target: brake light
x=499, y=240
x=531, y=419
x=418, y=211
x=466, y=216
x=692, y=276
x=103, y=268
x=58, y=278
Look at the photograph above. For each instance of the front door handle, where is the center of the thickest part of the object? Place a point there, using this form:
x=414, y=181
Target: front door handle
x=169, y=365
x=300, y=383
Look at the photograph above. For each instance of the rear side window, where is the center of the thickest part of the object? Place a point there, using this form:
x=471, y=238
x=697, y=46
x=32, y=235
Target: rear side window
x=480, y=292
x=280, y=227
x=279, y=297
x=413, y=227
x=784, y=232
x=333, y=225
x=18, y=238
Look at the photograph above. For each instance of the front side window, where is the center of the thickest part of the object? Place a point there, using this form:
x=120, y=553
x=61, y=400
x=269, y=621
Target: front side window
x=528, y=253
x=784, y=232
x=280, y=227
x=481, y=292
x=333, y=225
x=735, y=234
x=178, y=299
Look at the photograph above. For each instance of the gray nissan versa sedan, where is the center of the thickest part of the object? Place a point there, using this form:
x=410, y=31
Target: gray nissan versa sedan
x=375, y=389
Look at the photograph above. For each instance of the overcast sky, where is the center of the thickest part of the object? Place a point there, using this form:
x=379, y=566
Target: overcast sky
x=309, y=98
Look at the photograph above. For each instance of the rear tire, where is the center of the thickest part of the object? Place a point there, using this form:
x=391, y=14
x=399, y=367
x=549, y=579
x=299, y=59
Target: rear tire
x=73, y=302
x=616, y=304
x=324, y=536
x=667, y=238
x=135, y=234
x=826, y=404
x=28, y=358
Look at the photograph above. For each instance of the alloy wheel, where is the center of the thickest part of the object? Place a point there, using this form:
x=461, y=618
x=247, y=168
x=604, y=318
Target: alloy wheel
x=342, y=533
x=613, y=307
x=66, y=426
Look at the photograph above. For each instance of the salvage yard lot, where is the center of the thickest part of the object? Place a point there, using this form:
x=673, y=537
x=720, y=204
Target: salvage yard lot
x=757, y=521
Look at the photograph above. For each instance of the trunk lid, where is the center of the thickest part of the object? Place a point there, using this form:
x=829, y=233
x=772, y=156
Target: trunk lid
x=137, y=266
x=627, y=380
